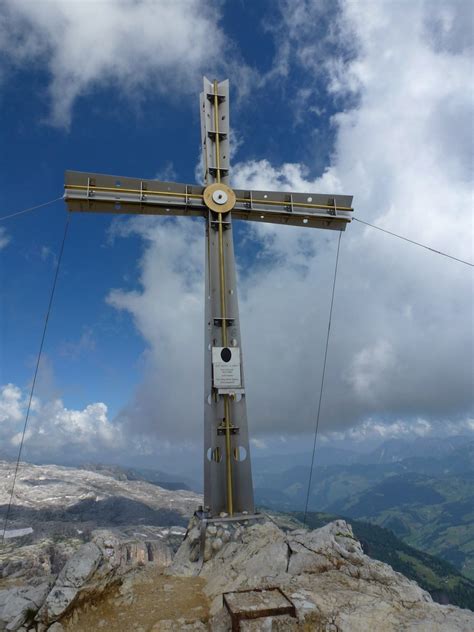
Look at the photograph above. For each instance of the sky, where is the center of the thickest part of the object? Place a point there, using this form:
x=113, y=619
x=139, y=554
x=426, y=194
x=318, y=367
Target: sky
x=371, y=99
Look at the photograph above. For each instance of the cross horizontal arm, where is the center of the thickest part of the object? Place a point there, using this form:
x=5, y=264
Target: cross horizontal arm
x=97, y=193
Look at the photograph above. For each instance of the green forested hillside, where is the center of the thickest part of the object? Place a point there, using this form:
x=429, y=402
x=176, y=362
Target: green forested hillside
x=428, y=502
x=431, y=514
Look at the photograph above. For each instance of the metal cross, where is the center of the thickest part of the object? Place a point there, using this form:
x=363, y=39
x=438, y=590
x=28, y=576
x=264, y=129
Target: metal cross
x=227, y=470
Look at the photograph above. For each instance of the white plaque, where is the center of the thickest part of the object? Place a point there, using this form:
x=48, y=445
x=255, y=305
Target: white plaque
x=226, y=367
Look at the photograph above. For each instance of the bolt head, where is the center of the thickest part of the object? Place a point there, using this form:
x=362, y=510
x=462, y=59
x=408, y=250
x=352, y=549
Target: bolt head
x=220, y=196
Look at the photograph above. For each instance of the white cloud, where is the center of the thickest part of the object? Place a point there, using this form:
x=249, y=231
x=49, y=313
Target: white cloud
x=167, y=173
x=168, y=312
x=4, y=238
x=10, y=404
x=368, y=369
x=55, y=431
x=371, y=430
x=401, y=343
x=131, y=46
x=73, y=436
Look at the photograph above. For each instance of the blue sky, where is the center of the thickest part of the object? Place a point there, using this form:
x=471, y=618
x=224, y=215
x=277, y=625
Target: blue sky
x=324, y=97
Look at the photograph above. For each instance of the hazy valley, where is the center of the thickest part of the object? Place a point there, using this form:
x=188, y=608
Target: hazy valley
x=422, y=490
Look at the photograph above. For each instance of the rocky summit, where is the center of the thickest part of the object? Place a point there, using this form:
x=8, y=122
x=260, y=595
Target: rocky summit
x=124, y=571
x=325, y=574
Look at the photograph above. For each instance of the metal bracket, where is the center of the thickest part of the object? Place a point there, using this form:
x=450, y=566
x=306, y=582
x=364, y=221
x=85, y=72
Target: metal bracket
x=218, y=321
x=211, y=96
x=221, y=430
x=231, y=391
x=225, y=224
x=223, y=172
x=334, y=210
x=142, y=194
x=90, y=194
x=249, y=204
x=212, y=135
x=186, y=197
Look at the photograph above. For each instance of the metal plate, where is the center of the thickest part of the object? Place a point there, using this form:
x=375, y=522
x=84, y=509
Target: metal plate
x=219, y=197
x=226, y=367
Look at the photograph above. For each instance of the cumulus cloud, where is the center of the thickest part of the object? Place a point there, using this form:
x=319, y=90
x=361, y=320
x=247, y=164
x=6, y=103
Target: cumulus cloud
x=54, y=429
x=371, y=430
x=401, y=345
x=168, y=312
x=126, y=45
x=56, y=432
x=10, y=404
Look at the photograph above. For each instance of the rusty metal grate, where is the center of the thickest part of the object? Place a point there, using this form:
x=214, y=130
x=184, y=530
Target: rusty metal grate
x=257, y=603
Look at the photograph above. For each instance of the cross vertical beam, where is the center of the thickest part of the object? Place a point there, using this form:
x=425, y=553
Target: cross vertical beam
x=227, y=470
x=222, y=291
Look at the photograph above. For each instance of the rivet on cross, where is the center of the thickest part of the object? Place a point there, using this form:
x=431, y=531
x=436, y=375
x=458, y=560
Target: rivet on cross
x=227, y=469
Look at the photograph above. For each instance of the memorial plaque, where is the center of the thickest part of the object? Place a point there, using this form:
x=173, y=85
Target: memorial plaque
x=226, y=367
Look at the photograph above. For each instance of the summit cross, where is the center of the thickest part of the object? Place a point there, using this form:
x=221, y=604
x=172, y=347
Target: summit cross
x=228, y=485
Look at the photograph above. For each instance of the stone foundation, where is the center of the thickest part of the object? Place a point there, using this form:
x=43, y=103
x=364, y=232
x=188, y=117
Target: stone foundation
x=206, y=536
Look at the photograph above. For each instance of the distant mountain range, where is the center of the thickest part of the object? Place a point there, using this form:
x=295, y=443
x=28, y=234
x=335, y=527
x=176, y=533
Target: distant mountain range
x=423, y=491
x=121, y=473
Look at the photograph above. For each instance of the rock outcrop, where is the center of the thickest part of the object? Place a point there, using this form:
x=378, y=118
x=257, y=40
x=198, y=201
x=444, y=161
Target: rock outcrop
x=18, y=606
x=93, y=568
x=332, y=583
x=57, y=509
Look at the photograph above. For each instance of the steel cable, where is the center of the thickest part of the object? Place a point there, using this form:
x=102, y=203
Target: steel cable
x=20, y=449
x=322, y=379
x=412, y=241
x=32, y=208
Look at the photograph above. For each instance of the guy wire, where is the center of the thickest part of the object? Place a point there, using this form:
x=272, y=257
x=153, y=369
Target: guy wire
x=322, y=379
x=20, y=449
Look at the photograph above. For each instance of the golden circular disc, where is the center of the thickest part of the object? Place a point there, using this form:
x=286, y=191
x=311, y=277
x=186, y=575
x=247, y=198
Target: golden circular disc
x=219, y=197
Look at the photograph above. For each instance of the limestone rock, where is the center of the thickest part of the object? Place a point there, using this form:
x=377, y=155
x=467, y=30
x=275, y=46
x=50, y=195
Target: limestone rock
x=58, y=508
x=94, y=567
x=18, y=605
x=73, y=577
x=332, y=583
x=208, y=550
